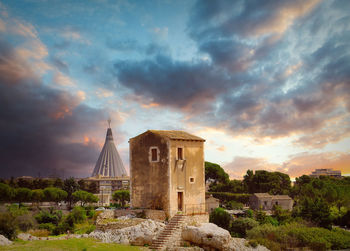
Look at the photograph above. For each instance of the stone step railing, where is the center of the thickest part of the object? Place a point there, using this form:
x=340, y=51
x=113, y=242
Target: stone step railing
x=170, y=234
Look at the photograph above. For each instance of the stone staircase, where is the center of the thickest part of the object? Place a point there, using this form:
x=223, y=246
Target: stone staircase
x=171, y=233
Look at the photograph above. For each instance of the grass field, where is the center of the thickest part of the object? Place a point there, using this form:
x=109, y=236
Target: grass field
x=67, y=245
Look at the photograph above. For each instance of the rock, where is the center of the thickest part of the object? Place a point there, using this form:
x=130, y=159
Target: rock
x=240, y=244
x=4, y=241
x=24, y=237
x=185, y=249
x=139, y=234
x=207, y=234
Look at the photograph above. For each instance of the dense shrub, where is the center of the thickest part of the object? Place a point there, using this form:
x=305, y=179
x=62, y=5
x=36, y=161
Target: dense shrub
x=226, y=197
x=234, y=205
x=8, y=225
x=48, y=226
x=240, y=226
x=298, y=235
x=25, y=222
x=78, y=214
x=47, y=217
x=221, y=218
x=39, y=232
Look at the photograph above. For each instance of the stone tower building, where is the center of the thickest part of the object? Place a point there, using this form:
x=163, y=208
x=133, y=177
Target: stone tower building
x=167, y=172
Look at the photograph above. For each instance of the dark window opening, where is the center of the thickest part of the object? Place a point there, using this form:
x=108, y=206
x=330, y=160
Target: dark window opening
x=191, y=180
x=179, y=153
x=276, y=203
x=154, y=154
x=265, y=203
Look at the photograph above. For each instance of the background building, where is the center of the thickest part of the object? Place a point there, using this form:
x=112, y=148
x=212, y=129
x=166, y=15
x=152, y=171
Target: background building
x=109, y=172
x=326, y=172
x=266, y=201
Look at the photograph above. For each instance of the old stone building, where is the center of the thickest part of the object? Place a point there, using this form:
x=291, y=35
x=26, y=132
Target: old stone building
x=266, y=201
x=167, y=172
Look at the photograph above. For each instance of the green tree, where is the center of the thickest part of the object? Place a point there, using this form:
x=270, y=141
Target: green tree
x=70, y=186
x=7, y=193
x=122, y=196
x=23, y=195
x=54, y=194
x=221, y=218
x=84, y=197
x=38, y=196
x=240, y=226
x=215, y=172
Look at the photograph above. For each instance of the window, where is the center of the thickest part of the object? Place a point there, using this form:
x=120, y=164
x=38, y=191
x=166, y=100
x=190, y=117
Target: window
x=191, y=180
x=265, y=203
x=276, y=203
x=153, y=155
x=180, y=153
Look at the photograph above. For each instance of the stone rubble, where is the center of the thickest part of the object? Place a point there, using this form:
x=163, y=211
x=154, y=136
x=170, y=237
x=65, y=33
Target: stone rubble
x=211, y=237
x=139, y=235
x=4, y=241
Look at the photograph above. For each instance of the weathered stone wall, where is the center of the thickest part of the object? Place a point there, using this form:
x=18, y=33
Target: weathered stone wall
x=149, y=180
x=182, y=172
x=193, y=220
x=156, y=215
x=283, y=203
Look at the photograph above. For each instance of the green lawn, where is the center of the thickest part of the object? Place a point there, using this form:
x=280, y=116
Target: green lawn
x=68, y=245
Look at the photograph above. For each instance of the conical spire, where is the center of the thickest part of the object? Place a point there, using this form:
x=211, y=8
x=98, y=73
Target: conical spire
x=109, y=163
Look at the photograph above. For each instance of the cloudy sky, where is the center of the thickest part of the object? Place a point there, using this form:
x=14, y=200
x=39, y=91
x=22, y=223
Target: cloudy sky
x=266, y=83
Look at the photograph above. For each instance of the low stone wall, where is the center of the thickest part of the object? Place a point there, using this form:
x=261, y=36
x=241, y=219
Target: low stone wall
x=112, y=224
x=124, y=212
x=193, y=220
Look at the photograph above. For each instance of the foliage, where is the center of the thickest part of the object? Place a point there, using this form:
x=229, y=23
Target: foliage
x=215, y=172
x=232, y=186
x=267, y=182
x=23, y=194
x=234, y=205
x=84, y=228
x=17, y=210
x=221, y=218
x=317, y=211
x=240, y=226
x=84, y=197
x=39, y=232
x=282, y=216
x=79, y=214
x=122, y=196
x=38, y=195
x=53, y=217
x=7, y=193
x=225, y=197
x=298, y=235
x=70, y=186
x=8, y=226
x=54, y=194
x=25, y=222
x=48, y=226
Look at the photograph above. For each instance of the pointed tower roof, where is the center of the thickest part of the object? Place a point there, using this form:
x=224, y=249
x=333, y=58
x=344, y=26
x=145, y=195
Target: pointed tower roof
x=109, y=163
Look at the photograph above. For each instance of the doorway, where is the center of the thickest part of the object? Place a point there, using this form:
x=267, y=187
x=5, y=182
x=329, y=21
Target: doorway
x=180, y=201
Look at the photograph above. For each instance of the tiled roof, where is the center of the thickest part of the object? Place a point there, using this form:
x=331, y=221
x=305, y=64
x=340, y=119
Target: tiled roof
x=180, y=135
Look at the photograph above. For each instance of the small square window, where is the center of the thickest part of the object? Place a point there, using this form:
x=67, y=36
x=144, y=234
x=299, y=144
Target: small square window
x=154, y=154
x=180, y=153
x=191, y=180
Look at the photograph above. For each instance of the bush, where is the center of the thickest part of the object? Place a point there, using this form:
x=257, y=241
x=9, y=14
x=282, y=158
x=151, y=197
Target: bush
x=62, y=228
x=78, y=214
x=8, y=226
x=47, y=217
x=48, y=226
x=25, y=222
x=226, y=197
x=234, y=205
x=221, y=218
x=240, y=226
x=39, y=232
x=298, y=235
x=84, y=228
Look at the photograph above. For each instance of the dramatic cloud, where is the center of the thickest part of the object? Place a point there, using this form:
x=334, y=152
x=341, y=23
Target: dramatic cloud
x=39, y=125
